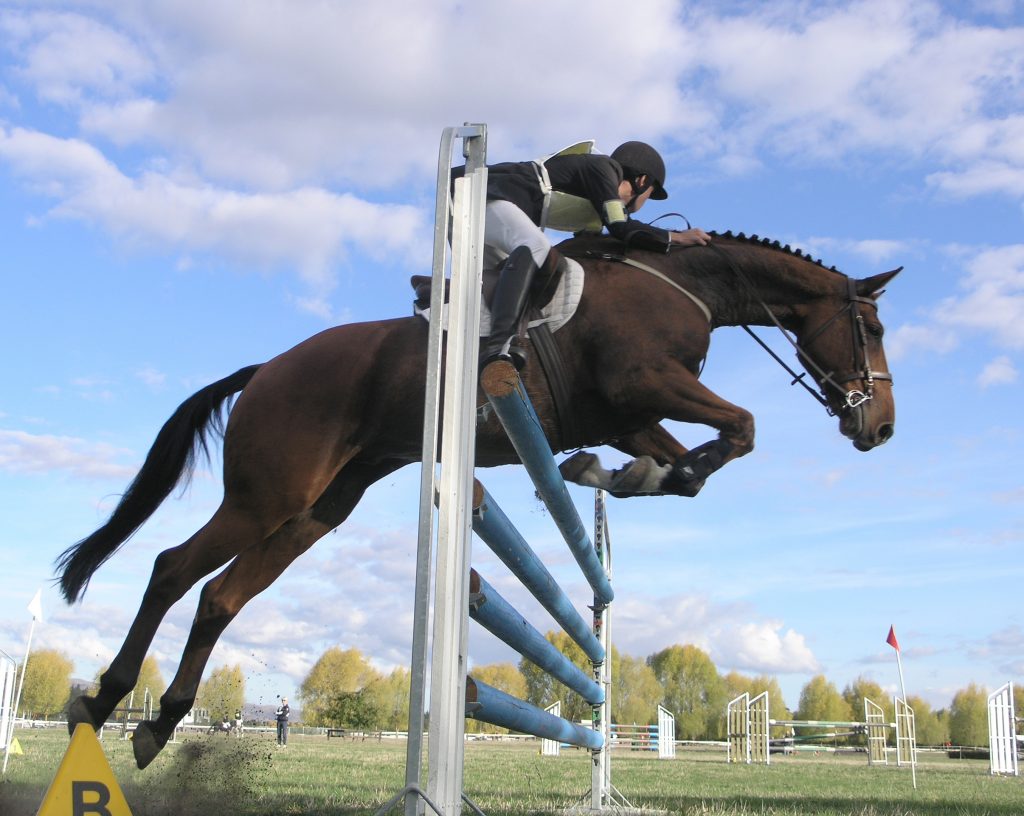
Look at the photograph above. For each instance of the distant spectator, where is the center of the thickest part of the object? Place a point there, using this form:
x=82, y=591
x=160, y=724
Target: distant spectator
x=282, y=722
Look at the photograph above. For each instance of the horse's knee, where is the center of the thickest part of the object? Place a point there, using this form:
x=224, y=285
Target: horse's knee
x=740, y=434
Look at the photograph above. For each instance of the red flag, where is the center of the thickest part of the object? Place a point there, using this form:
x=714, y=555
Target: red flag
x=891, y=640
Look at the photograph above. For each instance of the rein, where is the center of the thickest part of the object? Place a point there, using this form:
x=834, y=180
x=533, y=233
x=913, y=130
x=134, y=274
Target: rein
x=852, y=398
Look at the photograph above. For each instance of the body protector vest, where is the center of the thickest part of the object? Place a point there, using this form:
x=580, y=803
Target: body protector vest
x=563, y=211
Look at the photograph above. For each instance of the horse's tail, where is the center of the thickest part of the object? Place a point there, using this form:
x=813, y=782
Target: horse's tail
x=171, y=458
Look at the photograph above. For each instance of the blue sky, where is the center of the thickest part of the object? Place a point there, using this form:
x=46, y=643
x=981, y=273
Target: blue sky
x=190, y=187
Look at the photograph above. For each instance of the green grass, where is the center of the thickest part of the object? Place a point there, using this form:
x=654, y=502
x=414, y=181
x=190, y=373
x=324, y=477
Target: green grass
x=222, y=776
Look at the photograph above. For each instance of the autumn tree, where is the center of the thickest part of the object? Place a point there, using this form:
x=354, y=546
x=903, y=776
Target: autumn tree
x=47, y=683
x=820, y=700
x=636, y=692
x=737, y=684
x=693, y=690
x=223, y=692
x=542, y=689
x=336, y=673
x=390, y=696
x=863, y=689
x=929, y=727
x=356, y=710
x=504, y=677
x=968, y=716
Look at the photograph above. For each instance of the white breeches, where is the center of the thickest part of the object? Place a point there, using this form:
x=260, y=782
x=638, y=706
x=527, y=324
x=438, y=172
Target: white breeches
x=507, y=227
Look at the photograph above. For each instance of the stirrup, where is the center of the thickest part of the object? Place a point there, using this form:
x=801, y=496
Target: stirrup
x=515, y=355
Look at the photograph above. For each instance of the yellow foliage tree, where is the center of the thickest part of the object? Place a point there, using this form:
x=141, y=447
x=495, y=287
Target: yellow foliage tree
x=337, y=672
x=47, y=683
x=504, y=677
x=223, y=692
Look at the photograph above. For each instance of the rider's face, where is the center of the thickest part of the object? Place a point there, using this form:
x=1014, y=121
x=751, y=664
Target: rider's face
x=626, y=194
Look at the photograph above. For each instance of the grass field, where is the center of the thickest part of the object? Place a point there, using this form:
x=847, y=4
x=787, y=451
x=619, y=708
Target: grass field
x=223, y=776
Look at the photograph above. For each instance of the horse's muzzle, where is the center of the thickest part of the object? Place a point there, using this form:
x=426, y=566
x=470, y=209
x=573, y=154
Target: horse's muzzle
x=865, y=437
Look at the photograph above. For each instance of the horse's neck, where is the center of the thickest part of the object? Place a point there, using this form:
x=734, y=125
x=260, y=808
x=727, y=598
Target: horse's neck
x=738, y=284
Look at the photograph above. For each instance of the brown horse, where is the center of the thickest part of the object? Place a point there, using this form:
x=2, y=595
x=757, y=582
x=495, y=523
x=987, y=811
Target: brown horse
x=316, y=426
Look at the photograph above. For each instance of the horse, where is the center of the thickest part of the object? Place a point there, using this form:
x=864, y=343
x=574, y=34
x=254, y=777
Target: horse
x=311, y=429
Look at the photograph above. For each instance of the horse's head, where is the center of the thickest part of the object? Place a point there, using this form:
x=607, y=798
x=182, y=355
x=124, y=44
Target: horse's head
x=840, y=345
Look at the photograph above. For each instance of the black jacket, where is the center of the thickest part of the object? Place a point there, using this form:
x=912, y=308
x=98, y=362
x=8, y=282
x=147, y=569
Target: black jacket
x=592, y=176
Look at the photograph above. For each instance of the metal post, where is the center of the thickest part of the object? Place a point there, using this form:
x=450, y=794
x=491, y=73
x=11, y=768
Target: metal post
x=451, y=580
x=475, y=149
x=601, y=767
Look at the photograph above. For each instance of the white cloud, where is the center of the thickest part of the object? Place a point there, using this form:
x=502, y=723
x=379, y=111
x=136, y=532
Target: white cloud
x=1000, y=371
x=764, y=647
x=876, y=250
x=22, y=452
x=983, y=177
x=260, y=95
x=992, y=305
x=152, y=377
x=235, y=117
x=725, y=632
x=838, y=80
x=264, y=95
x=911, y=338
x=69, y=57
x=307, y=228
x=993, y=302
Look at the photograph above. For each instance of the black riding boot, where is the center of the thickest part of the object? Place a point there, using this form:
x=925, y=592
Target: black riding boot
x=511, y=297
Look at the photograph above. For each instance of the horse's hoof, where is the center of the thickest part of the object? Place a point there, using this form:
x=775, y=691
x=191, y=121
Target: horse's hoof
x=146, y=744
x=583, y=469
x=692, y=489
x=80, y=712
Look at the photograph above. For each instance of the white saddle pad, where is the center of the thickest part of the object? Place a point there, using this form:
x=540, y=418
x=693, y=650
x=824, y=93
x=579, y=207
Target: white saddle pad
x=556, y=314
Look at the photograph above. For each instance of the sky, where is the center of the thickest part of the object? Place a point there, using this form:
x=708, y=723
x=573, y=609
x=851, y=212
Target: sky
x=189, y=187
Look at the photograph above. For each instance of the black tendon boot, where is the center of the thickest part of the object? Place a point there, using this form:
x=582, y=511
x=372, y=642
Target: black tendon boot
x=511, y=297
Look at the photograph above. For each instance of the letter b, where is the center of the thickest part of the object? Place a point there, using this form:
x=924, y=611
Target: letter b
x=79, y=807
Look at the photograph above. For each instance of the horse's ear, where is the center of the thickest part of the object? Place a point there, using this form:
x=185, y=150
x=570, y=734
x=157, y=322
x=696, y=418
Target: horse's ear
x=867, y=287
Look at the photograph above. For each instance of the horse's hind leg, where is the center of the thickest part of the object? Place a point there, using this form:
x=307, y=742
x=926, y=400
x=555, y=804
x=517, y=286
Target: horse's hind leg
x=175, y=571
x=250, y=573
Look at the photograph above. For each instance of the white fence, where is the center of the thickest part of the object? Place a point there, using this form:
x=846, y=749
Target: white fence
x=8, y=678
x=1002, y=732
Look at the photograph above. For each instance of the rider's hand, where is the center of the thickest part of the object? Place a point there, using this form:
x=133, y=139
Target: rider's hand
x=694, y=236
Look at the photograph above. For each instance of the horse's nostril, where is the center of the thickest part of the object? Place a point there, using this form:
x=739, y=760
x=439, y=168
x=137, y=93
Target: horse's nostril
x=885, y=432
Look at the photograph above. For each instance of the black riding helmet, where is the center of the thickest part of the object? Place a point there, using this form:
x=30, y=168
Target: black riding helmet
x=638, y=159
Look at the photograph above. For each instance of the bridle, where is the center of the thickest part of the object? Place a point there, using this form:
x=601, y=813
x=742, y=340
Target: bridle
x=861, y=368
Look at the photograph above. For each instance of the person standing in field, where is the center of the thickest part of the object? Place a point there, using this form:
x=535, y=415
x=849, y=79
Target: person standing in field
x=282, y=722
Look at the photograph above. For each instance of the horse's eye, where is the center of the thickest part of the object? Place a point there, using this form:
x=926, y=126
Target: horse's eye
x=876, y=331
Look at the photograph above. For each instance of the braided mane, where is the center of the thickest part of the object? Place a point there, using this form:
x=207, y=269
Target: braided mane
x=767, y=242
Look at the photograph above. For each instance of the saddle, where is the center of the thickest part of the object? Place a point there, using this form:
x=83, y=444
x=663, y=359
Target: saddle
x=554, y=300
x=558, y=297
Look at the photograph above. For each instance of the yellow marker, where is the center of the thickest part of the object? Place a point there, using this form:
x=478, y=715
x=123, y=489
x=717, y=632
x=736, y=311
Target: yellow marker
x=15, y=747
x=84, y=784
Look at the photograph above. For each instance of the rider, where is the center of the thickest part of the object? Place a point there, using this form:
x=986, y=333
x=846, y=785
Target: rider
x=570, y=191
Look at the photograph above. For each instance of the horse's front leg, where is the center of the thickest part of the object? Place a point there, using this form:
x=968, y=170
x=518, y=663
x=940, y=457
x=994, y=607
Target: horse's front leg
x=662, y=465
x=654, y=450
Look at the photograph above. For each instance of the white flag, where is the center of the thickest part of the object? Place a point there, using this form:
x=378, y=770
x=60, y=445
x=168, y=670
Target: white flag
x=36, y=606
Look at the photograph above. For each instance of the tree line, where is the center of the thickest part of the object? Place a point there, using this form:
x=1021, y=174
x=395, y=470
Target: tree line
x=344, y=690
